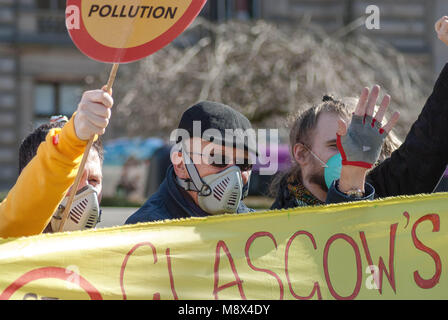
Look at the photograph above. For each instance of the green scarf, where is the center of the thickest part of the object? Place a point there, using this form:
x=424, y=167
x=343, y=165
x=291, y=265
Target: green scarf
x=303, y=196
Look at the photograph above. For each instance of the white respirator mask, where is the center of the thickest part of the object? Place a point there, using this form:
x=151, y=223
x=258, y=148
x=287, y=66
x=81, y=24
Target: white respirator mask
x=84, y=212
x=217, y=193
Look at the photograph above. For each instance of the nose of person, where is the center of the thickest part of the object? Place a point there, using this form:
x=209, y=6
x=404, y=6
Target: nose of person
x=84, y=180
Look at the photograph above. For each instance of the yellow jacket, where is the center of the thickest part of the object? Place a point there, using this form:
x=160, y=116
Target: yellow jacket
x=42, y=184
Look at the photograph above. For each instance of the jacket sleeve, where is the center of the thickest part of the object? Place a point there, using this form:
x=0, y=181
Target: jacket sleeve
x=418, y=164
x=42, y=184
x=336, y=196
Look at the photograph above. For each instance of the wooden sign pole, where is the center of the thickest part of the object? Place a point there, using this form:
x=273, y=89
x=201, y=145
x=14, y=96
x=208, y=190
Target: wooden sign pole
x=91, y=42
x=65, y=214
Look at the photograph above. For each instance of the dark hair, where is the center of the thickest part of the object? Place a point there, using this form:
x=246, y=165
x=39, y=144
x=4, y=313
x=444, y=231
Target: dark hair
x=30, y=144
x=327, y=98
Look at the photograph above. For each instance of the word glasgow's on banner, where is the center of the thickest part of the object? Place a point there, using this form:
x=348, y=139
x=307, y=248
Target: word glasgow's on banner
x=122, y=31
x=393, y=248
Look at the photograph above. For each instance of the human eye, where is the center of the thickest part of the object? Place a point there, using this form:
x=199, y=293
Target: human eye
x=94, y=181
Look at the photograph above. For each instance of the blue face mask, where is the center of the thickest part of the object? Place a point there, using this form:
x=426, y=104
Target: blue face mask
x=332, y=169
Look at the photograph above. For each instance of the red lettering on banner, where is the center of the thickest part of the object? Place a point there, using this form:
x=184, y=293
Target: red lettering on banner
x=316, y=284
x=249, y=262
x=430, y=283
x=170, y=272
x=156, y=295
x=238, y=281
x=358, y=266
x=381, y=266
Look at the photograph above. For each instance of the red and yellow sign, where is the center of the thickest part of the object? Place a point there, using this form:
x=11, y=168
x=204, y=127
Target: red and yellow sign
x=122, y=31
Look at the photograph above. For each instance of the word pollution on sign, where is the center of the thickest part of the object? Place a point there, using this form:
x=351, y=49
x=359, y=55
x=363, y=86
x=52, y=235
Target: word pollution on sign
x=122, y=31
x=141, y=12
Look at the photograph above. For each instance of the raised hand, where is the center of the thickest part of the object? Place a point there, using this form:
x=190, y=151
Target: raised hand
x=93, y=113
x=442, y=29
x=361, y=144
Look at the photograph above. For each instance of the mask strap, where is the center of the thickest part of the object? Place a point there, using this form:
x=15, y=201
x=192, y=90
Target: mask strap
x=324, y=165
x=195, y=183
x=245, y=192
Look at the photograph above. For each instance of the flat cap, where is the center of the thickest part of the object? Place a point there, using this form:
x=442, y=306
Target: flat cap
x=213, y=121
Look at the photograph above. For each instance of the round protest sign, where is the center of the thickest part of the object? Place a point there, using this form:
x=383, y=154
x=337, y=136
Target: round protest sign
x=122, y=31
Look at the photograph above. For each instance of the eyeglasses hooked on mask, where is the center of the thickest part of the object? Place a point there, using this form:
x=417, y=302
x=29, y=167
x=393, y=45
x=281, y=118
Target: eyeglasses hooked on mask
x=217, y=193
x=222, y=161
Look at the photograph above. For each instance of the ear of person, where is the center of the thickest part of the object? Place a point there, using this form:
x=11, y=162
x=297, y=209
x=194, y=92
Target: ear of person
x=441, y=27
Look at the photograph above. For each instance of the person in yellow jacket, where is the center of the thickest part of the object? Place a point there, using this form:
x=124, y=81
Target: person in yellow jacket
x=30, y=204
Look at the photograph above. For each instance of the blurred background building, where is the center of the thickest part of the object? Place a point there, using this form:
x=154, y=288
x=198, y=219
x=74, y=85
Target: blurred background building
x=43, y=74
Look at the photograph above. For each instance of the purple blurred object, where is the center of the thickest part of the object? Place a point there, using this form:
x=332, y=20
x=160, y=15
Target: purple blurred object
x=283, y=158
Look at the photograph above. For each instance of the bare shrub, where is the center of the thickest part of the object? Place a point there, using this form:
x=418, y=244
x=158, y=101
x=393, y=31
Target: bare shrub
x=263, y=70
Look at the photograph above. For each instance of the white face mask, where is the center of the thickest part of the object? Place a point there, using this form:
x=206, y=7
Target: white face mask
x=217, y=193
x=84, y=211
x=226, y=190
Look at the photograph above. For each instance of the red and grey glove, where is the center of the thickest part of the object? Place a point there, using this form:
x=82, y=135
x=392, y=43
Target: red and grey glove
x=362, y=144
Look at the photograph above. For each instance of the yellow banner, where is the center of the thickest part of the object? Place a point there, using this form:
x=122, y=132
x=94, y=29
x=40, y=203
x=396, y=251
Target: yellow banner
x=394, y=248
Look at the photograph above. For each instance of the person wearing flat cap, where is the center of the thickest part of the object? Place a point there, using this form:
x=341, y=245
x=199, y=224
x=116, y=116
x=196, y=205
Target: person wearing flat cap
x=211, y=166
